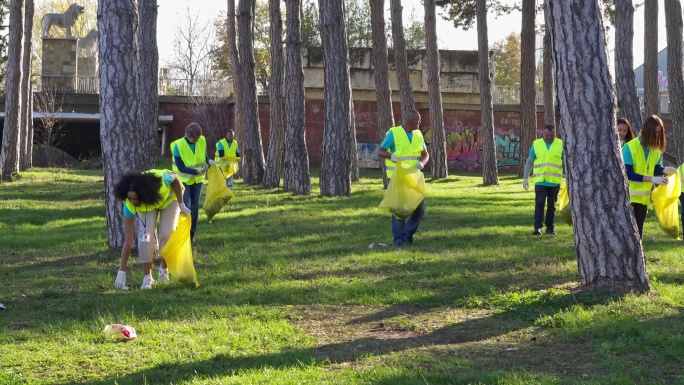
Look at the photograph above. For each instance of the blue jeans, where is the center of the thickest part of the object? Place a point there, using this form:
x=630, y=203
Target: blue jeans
x=191, y=198
x=229, y=182
x=403, y=229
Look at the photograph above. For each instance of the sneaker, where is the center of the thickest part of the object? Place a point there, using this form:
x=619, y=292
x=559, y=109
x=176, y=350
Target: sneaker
x=192, y=237
x=537, y=232
x=163, y=275
x=550, y=232
x=148, y=281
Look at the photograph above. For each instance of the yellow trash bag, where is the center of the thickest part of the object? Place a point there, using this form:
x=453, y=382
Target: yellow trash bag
x=229, y=165
x=564, y=204
x=217, y=192
x=177, y=253
x=405, y=191
x=665, y=199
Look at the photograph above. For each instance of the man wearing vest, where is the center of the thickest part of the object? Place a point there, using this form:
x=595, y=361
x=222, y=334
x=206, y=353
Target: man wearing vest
x=228, y=147
x=189, y=162
x=547, y=155
x=405, y=144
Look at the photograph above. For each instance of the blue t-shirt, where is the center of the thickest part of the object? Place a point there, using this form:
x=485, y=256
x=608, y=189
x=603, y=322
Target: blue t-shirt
x=179, y=160
x=388, y=142
x=629, y=163
x=534, y=156
x=167, y=179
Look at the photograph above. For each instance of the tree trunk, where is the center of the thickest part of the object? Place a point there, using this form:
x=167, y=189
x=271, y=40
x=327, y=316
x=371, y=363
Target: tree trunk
x=651, y=86
x=252, y=151
x=9, y=157
x=625, y=80
x=335, y=164
x=490, y=174
x=234, y=57
x=123, y=142
x=26, y=146
x=400, y=59
x=609, y=253
x=149, y=80
x=383, y=93
x=353, y=151
x=528, y=104
x=438, y=158
x=276, y=142
x=296, y=177
x=549, y=89
x=673, y=22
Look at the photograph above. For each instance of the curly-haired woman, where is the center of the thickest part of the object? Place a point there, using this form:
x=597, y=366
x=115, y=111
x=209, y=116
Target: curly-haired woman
x=146, y=196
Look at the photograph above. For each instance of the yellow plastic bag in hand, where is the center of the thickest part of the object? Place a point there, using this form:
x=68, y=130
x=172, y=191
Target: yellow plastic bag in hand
x=405, y=191
x=229, y=165
x=564, y=204
x=177, y=253
x=665, y=199
x=217, y=192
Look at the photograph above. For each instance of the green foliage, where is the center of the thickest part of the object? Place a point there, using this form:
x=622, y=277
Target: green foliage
x=292, y=294
x=507, y=56
x=462, y=12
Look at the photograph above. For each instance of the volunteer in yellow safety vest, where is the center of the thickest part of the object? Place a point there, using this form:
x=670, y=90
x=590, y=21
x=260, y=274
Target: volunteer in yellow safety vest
x=405, y=144
x=145, y=196
x=546, y=154
x=228, y=147
x=190, y=163
x=643, y=158
x=625, y=132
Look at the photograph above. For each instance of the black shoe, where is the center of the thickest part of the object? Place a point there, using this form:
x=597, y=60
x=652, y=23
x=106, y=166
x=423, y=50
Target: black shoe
x=192, y=237
x=537, y=232
x=550, y=232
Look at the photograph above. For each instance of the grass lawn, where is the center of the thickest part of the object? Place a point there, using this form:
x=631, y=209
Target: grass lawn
x=291, y=293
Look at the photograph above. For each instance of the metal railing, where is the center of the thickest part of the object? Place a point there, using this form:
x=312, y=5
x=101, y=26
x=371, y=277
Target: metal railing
x=170, y=87
x=511, y=95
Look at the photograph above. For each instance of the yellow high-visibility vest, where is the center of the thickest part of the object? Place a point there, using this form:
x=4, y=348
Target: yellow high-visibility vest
x=640, y=192
x=548, y=163
x=406, y=151
x=191, y=159
x=227, y=150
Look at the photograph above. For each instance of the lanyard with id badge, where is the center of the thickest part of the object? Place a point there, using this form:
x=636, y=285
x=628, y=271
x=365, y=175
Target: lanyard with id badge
x=144, y=242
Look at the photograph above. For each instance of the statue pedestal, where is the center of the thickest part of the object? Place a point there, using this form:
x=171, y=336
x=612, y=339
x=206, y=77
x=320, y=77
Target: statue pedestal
x=88, y=77
x=59, y=64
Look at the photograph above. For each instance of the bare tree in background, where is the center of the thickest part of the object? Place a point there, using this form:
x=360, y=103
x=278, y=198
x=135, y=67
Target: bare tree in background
x=400, y=59
x=296, y=172
x=528, y=104
x=625, y=80
x=26, y=142
x=9, y=157
x=212, y=113
x=438, y=157
x=609, y=252
x=149, y=76
x=276, y=142
x=651, y=87
x=490, y=173
x=383, y=92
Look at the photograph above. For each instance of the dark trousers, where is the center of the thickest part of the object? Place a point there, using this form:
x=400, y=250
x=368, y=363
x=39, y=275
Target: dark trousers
x=548, y=195
x=191, y=198
x=681, y=200
x=640, y=212
x=403, y=229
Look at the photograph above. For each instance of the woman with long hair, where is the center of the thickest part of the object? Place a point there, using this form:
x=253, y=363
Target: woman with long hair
x=625, y=132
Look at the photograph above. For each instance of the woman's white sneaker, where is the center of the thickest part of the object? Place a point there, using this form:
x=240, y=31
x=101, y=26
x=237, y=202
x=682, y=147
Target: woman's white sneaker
x=163, y=275
x=148, y=281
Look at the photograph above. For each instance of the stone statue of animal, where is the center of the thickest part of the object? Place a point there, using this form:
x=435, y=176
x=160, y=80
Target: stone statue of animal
x=64, y=20
x=88, y=43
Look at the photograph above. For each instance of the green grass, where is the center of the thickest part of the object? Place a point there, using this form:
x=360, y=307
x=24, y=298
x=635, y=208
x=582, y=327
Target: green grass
x=291, y=294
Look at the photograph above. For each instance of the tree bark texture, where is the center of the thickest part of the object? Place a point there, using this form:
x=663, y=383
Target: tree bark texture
x=673, y=22
x=149, y=79
x=625, y=80
x=296, y=177
x=9, y=157
x=383, y=93
x=651, y=87
x=353, y=151
x=251, y=150
x=549, y=89
x=609, y=252
x=276, y=143
x=490, y=174
x=400, y=59
x=123, y=141
x=335, y=163
x=528, y=104
x=26, y=142
x=234, y=58
x=438, y=157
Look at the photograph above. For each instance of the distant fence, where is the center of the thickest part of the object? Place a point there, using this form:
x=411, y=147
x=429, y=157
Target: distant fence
x=511, y=95
x=170, y=87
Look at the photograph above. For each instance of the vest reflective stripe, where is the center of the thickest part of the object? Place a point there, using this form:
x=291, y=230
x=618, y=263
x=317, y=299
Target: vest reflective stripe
x=406, y=151
x=232, y=151
x=165, y=191
x=548, y=163
x=191, y=159
x=640, y=192
x=680, y=170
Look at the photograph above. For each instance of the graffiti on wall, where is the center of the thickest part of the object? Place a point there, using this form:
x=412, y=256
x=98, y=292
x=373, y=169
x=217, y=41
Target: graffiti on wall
x=464, y=147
